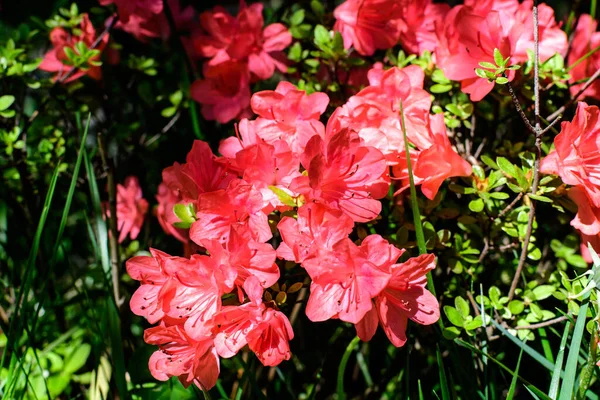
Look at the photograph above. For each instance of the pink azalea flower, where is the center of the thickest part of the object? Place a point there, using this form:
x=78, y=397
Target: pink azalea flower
x=587, y=220
x=552, y=40
x=345, y=279
x=289, y=114
x=375, y=111
x=242, y=257
x=150, y=272
x=344, y=175
x=192, y=361
x=269, y=166
x=482, y=7
x=405, y=297
x=435, y=163
x=54, y=60
x=369, y=25
x=224, y=93
x=200, y=173
x=128, y=8
x=419, y=18
x=194, y=294
x=316, y=229
x=242, y=38
x=131, y=209
x=584, y=40
x=142, y=26
x=265, y=330
x=240, y=204
x=167, y=199
x=576, y=158
x=467, y=38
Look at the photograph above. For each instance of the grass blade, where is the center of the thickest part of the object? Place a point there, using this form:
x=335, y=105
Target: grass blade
x=341, y=394
x=568, y=384
x=423, y=250
x=513, y=383
x=526, y=383
x=554, y=384
x=19, y=315
x=543, y=361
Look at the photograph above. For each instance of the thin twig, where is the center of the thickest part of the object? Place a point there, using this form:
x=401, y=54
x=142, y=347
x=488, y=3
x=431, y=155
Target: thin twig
x=112, y=218
x=519, y=108
x=543, y=324
x=538, y=145
x=586, y=85
x=510, y=206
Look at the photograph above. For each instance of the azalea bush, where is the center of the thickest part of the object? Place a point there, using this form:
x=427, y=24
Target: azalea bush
x=353, y=199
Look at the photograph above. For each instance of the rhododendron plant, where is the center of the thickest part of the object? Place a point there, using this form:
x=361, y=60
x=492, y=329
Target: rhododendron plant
x=315, y=171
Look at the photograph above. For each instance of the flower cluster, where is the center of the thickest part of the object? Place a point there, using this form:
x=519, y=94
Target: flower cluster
x=131, y=209
x=288, y=179
x=460, y=37
x=576, y=159
x=239, y=50
x=67, y=46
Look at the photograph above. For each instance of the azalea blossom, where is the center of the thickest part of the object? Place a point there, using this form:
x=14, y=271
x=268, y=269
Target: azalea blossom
x=262, y=327
x=419, y=17
x=404, y=298
x=128, y=8
x=167, y=199
x=368, y=25
x=150, y=272
x=242, y=257
x=576, y=157
x=375, y=111
x=587, y=220
x=131, y=208
x=435, y=163
x=346, y=278
x=345, y=175
x=316, y=229
x=224, y=93
x=192, y=361
x=585, y=38
x=243, y=39
x=468, y=38
x=56, y=60
x=240, y=204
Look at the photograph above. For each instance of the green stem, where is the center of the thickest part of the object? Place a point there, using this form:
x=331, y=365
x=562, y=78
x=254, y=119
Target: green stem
x=341, y=394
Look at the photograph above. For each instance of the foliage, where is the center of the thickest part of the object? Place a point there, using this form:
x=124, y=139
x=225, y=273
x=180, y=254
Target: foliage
x=100, y=102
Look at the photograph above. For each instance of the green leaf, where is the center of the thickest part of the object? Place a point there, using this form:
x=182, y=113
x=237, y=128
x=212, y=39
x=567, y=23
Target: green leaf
x=540, y=198
x=185, y=212
x=462, y=306
x=297, y=17
x=6, y=101
x=77, y=358
x=454, y=316
x=480, y=73
x=516, y=307
x=440, y=88
x=451, y=332
x=476, y=205
x=321, y=35
x=501, y=80
x=487, y=65
x=506, y=166
x=543, y=291
x=498, y=59
x=283, y=196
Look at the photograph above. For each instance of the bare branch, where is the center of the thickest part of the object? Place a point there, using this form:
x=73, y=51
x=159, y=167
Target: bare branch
x=538, y=145
x=562, y=109
x=543, y=324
